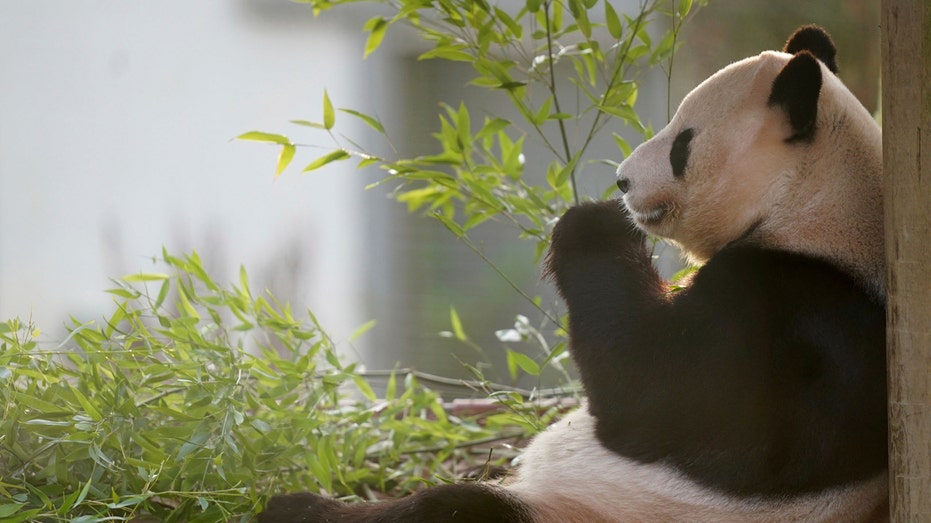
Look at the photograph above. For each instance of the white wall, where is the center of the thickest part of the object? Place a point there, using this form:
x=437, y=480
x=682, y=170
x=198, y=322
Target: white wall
x=116, y=121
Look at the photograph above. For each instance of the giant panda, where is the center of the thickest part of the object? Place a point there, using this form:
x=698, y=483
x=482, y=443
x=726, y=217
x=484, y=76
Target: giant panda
x=757, y=393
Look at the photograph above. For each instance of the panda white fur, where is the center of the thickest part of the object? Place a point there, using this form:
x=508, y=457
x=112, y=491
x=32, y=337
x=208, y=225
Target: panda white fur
x=757, y=393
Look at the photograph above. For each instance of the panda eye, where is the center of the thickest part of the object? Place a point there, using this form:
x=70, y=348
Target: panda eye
x=679, y=154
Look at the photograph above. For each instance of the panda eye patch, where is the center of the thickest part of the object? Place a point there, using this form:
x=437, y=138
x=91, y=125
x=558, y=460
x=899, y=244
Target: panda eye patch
x=679, y=154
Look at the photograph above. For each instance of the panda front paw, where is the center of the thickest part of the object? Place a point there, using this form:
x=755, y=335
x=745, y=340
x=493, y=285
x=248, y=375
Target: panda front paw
x=598, y=237
x=597, y=226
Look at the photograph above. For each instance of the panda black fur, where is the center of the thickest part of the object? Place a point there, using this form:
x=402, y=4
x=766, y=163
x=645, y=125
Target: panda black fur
x=758, y=392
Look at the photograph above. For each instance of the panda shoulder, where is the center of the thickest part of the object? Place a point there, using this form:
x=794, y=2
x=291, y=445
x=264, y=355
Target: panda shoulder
x=750, y=271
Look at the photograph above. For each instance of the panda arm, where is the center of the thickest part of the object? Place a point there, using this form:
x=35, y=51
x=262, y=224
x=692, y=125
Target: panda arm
x=616, y=306
x=766, y=375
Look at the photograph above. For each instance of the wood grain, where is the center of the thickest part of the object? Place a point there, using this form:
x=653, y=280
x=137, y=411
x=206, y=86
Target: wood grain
x=906, y=106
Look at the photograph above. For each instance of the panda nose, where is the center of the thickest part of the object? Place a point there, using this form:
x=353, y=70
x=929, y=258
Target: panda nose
x=623, y=184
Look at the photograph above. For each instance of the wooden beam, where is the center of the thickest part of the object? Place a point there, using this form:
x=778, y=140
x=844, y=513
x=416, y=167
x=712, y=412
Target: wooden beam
x=906, y=110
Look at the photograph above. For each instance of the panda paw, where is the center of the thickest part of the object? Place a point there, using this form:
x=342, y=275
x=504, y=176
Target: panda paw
x=597, y=226
x=601, y=233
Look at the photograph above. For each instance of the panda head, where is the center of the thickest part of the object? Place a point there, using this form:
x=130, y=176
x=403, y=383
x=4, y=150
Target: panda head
x=739, y=146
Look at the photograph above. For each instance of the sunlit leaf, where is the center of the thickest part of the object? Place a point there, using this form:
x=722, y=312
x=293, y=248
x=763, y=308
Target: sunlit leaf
x=613, y=21
x=514, y=28
x=329, y=117
x=492, y=126
x=307, y=123
x=8, y=509
x=557, y=353
x=544, y=112
x=367, y=326
x=258, y=136
x=144, y=277
x=456, y=324
x=452, y=53
x=392, y=387
x=325, y=159
x=510, y=86
x=364, y=387
x=284, y=159
x=463, y=125
x=370, y=121
x=683, y=8
x=86, y=404
x=623, y=145
x=517, y=360
x=376, y=27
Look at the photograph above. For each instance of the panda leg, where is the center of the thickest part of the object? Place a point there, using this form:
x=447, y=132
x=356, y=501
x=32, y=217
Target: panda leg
x=459, y=503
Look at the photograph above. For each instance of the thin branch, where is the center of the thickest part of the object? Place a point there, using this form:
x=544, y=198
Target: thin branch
x=473, y=384
x=552, y=86
x=504, y=436
x=618, y=73
x=465, y=239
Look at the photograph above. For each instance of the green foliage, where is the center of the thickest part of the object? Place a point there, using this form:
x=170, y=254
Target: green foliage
x=193, y=402
x=517, y=50
x=477, y=173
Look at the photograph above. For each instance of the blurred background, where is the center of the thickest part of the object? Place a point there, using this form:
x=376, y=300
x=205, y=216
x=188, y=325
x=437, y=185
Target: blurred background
x=116, y=127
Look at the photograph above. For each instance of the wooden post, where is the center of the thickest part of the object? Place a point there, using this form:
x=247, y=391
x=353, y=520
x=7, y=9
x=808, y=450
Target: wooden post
x=906, y=109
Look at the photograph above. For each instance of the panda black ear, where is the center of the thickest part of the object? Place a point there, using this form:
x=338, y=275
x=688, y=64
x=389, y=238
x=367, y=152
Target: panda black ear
x=796, y=90
x=816, y=41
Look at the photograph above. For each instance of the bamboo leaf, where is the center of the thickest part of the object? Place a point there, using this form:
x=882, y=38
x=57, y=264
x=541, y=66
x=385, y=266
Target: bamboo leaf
x=367, y=326
x=8, y=509
x=564, y=174
x=364, y=387
x=284, y=159
x=456, y=324
x=144, y=277
x=518, y=360
x=376, y=27
x=392, y=387
x=259, y=136
x=453, y=53
x=328, y=158
x=463, y=127
x=556, y=354
x=450, y=224
x=510, y=86
x=492, y=126
x=371, y=122
x=613, y=21
x=543, y=113
x=307, y=123
x=514, y=28
x=86, y=404
x=36, y=403
x=683, y=8
x=186, y=305
x=623, y=145
x=329, y=117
